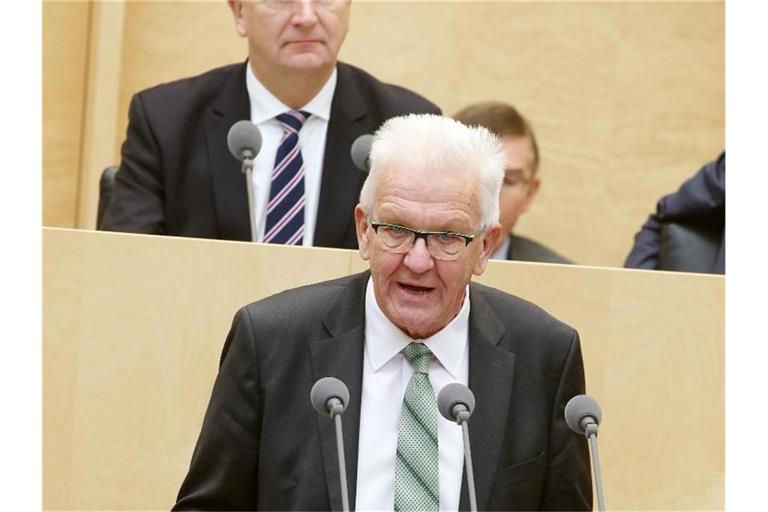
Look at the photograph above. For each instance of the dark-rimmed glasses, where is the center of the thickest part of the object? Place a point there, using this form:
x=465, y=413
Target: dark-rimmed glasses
x=442, y=245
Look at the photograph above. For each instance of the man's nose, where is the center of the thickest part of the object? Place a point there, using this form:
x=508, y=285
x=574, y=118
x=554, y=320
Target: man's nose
x=419, y=259
x=304, y=12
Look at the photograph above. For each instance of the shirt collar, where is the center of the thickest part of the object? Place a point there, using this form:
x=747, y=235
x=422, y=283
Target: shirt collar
x=501, y=252
x=385, y=340
x=265, y=106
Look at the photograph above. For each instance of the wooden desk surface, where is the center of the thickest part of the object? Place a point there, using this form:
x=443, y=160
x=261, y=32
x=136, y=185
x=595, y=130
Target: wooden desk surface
x=133, y=328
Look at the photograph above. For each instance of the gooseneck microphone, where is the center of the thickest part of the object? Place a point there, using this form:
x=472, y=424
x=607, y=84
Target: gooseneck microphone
x=329, y=397
x=244, y=142
x=583, y=416
x=361, y=152
x=456, y=403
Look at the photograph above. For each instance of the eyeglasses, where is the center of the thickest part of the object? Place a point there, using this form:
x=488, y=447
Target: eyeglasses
x=442, y=245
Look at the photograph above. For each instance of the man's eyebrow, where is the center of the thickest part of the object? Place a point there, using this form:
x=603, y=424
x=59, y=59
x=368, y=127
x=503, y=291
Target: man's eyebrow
x=513, y=170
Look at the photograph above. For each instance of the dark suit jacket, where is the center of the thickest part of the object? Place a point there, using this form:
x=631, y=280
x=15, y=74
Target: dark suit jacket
x=701, y=199
x=177, y=176
x=262, y=445
x=525, y=249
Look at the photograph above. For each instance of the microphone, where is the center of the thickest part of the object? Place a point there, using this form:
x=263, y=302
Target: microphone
x=329, y=396
x=456, y=403
x=361, y=152
x=244, y=142
x=583, y=416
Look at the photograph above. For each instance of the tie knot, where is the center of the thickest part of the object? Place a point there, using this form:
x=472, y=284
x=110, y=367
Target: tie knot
x=293, y=120
x=419, y=356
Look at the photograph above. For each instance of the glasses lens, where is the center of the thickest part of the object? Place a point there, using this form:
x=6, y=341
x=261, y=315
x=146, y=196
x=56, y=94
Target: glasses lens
x=445, y=245
x=395, y=238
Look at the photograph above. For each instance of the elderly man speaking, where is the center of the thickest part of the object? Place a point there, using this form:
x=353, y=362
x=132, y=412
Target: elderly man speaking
x=396, y=335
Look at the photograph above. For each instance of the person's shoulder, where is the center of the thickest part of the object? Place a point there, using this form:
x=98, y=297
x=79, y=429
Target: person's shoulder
x=304, y=303
x=526, y=249
x=519, y=315
x=203, y=86
x=399, y=100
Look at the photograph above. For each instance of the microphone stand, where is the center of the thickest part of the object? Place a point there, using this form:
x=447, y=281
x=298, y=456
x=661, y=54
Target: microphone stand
x=590, y=430
x=247, y=169
x=462, y=418
x=335, y=408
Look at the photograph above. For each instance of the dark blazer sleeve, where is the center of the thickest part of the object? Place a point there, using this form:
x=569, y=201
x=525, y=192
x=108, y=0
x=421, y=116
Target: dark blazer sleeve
x=223, y=471
x=698, y=197
x=137, y=203
x=568, y=483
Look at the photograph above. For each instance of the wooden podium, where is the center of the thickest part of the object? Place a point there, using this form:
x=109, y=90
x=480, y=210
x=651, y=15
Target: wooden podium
x=133, y=328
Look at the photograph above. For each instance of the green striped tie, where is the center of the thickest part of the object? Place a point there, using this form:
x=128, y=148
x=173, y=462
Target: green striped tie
x=417, y=468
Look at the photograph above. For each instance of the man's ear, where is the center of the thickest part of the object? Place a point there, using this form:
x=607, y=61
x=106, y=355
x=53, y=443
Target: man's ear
x=237, y=12
x=490, y=241
x=361, y=226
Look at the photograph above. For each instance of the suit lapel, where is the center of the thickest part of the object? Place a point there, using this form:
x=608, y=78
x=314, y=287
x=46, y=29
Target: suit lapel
x=491, y=371
x=341, y=356
x=341, y=180
x=228, y=182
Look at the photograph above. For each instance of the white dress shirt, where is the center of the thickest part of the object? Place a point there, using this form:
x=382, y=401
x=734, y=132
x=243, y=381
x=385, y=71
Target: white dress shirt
x=501, y=252
x=265, y=107
x=386, y=373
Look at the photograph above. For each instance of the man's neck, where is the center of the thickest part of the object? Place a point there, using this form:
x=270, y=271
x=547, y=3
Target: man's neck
x=295, y=89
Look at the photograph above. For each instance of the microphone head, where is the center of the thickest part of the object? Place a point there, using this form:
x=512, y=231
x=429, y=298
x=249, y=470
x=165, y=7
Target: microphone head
x=580, y=407
x=450, y=396
x=361, y=151
x=325, y=389
x=244, y=140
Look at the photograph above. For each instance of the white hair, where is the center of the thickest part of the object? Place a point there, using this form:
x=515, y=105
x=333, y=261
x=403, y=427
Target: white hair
x=439, y=145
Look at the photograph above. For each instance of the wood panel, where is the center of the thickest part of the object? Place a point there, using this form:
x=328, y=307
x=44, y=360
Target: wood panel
x=627, y=98
x=134, y=325
x=101, y=104
x=65, y=58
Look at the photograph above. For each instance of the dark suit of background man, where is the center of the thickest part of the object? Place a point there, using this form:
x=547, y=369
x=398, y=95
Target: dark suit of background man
x=396, y=334
x=700, y=200
x=521, y=177
x=177, y=176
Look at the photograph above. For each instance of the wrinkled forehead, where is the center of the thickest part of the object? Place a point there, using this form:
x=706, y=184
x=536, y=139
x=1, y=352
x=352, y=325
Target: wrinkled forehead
x=419, y=190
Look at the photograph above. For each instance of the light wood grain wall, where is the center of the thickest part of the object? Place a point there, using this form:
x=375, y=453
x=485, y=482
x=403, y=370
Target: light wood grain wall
x=134, y=326
x=65, y=58
x=627, y=98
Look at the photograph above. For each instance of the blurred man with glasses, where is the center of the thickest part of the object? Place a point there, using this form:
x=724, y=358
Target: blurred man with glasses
x=521, y=177
x=427, y=222
x=177, y=176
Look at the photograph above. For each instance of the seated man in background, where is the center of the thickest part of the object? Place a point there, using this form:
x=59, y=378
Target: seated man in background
x=396, y=335
x=521, y=179
x=177, y=176
x=699, y=203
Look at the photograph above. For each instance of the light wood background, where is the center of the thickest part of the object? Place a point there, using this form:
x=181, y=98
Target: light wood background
x=134, y=325
x=627, y=98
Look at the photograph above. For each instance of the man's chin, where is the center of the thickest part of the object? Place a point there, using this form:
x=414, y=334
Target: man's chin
x=308, y=62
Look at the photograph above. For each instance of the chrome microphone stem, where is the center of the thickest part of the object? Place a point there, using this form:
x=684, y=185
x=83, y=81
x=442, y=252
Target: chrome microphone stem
x=247, y=168
x=461, y=419
x=336, y=408
x=470, y=471
x=592, y=436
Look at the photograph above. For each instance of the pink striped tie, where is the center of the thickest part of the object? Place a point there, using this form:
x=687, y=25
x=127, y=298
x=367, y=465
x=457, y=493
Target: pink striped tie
x=285, y=210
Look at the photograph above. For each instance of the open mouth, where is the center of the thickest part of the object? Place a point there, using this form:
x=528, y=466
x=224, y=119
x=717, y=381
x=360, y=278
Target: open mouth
x=415, y=289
